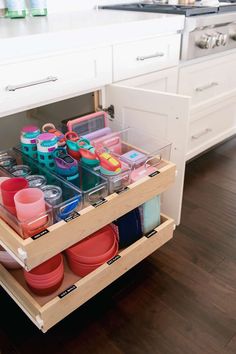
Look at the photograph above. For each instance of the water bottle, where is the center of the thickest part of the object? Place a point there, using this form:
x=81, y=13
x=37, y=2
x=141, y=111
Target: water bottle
x=46, y=144
x=38, y=7
x=16, y=8
x=28, y=139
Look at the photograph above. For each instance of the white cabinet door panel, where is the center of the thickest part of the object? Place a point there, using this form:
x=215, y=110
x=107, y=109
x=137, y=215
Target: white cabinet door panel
x=158, y=114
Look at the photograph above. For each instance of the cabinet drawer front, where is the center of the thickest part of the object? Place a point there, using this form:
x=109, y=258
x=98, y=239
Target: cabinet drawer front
x=205, y=81
x=141, y=57
x=45, y=312
x=210, y=129
x=26, y=84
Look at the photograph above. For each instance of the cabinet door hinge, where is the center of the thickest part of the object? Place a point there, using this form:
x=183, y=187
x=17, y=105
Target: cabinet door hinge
x=110, y=110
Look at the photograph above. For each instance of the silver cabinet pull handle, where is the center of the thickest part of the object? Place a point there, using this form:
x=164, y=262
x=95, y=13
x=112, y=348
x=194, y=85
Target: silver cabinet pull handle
x=33, y=83
x=155, y=55
x=206, y=87
x=204, y=132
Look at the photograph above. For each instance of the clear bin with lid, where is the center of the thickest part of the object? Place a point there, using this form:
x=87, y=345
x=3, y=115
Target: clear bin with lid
x=142, y=153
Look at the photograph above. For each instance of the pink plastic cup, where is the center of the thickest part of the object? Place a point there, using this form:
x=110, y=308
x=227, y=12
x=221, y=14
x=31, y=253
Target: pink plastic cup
x=30, y=208
x=9, y=188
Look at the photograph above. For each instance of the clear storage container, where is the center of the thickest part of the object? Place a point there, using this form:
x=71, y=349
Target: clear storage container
x=70, y=199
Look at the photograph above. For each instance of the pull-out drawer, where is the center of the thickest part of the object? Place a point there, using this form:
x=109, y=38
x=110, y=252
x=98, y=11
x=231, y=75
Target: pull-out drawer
x=144, y=56
x=211, y=128
x=209, y=79
x=46, y=311
x=34, y=250
x=33, y=83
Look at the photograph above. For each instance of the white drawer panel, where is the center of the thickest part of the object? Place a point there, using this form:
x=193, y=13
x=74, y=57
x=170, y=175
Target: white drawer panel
x=144, y=56
x=210, y=130
x=74, y=72
x=206, y=80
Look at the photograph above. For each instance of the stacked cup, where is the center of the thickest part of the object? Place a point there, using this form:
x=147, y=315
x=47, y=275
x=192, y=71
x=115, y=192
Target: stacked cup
x=31, y=209
x=47, y=277
x=89, y=254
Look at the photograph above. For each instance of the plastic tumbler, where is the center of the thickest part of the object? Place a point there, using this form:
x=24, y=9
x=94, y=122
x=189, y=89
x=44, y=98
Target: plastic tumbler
x=2, y=179
x=9, y=188
x=30, y=209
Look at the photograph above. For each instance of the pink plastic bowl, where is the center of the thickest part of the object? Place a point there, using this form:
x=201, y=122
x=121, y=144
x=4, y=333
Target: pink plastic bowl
x=96, y=248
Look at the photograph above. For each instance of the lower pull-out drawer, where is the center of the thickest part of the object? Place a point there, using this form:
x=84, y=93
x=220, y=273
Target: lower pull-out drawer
x=46, y=311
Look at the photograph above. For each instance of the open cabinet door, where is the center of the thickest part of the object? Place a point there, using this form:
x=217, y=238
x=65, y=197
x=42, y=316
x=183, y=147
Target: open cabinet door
x=163, y=115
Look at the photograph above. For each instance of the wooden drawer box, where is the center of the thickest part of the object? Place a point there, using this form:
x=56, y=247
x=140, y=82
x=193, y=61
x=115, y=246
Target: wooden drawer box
x=33, y=251
x=45, y=312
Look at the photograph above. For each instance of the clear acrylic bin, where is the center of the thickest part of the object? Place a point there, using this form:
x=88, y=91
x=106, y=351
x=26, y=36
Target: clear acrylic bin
x=94, y=186
x=90, y=184
x=66, y=202
x=30, y=227
x=142, y=153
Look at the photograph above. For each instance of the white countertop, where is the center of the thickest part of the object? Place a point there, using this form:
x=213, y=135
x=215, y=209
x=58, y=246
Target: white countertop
x=59, y=32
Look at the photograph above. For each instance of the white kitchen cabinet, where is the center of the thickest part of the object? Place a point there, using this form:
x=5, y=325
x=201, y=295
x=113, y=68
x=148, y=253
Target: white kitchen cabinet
x=211, y=126
x=211, y=84
x=144, y=56
x=31, y=83
x=147, y=104
x=208, y=80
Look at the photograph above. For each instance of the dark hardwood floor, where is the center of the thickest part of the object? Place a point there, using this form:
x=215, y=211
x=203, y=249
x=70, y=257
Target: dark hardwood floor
x=181, y=300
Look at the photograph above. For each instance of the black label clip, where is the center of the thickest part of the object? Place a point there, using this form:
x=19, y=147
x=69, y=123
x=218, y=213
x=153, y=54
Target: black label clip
x=40, y=234
x=67, y=291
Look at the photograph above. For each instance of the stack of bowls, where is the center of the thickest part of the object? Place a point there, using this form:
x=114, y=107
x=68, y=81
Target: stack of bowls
x=89, y=254
x=47, y=277
x=7, y=261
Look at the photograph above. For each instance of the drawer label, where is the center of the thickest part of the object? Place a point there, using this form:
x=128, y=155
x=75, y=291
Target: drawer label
x=126, y=189
x=99, y=202
x=151, y=233
x=40, y=234
x=67, y=291
x=114, y=259
x=73, y=216
x=153, y=174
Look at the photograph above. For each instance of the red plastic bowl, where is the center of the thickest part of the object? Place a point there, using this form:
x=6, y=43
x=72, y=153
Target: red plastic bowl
x=103, y=258
x=46, y=290
x=83, y=269
x=96, y=248
x=46, y=270
x=43, y=283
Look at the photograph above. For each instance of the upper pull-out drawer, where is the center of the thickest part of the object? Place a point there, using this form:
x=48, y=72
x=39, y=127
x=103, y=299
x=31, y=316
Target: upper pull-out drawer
x=56, y=238
x=31, y=83
x=209, y=79
x=144, y=56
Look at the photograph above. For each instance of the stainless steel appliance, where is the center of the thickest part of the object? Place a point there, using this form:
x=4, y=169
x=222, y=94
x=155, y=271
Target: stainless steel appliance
x=208, y=29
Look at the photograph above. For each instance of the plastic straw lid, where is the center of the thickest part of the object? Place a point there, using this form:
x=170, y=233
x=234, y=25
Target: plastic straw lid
x=20, y=171
x=52, y=194
x=36, y=181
